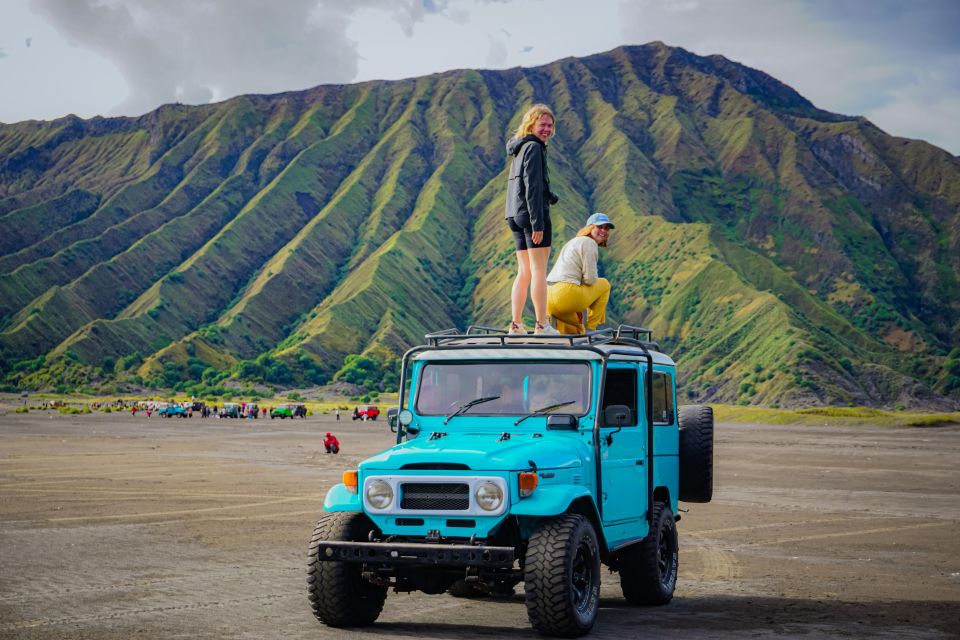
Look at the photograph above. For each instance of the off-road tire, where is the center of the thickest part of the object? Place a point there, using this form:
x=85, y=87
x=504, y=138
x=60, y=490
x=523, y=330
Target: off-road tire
x=696, y=453
x=339, y=596
x=648, y=572
x=562, y=577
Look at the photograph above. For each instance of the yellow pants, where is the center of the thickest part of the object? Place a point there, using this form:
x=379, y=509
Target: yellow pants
x=565, y=300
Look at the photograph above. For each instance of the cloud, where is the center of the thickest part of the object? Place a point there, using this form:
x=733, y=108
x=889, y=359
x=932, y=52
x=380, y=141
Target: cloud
x=497, y=54
x=189, y=51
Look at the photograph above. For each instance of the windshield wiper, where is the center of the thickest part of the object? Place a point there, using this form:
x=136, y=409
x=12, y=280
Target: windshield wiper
x=543, y=410
x=466, y=405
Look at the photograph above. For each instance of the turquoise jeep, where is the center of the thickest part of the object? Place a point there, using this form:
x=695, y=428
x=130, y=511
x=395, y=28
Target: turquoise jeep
x=171, y=410
x=529, y=459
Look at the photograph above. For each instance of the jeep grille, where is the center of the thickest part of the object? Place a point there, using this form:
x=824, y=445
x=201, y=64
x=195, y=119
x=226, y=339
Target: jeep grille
x=447, y=496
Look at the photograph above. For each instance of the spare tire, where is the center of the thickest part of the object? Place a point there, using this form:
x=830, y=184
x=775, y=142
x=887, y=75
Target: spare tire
x=696, y=453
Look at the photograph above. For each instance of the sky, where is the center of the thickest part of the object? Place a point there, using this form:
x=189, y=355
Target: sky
x=897, y=62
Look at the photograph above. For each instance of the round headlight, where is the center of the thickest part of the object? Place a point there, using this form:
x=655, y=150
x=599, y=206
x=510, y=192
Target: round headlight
x=379, y=494
x=489, y=496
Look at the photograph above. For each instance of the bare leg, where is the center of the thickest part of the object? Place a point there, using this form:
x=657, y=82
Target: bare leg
x=518, y=296
x=538, y=282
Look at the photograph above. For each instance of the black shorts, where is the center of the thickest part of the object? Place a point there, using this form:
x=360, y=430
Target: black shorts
x=523, y=232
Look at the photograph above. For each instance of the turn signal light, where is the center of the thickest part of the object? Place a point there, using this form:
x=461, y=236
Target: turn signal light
x=350, y=481
x=528, y=482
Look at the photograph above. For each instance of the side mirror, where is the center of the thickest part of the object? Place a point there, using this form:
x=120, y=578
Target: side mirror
x=616, y=415
x=562, y=422
x=397, y=420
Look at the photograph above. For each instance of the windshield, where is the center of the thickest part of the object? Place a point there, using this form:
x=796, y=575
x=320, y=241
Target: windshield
x=521, y=387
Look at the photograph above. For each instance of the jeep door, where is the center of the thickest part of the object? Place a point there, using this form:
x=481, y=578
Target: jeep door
x=623, y=453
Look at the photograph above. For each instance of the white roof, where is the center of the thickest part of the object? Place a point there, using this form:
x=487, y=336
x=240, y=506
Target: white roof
x=508, y=353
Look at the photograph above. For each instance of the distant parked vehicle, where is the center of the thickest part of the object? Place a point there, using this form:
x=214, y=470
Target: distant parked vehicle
x=282, y=411
x=230, y=410
x=171, y=410
x=367, y=412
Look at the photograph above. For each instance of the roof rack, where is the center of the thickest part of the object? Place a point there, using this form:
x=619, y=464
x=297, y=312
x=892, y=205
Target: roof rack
x=622, y=335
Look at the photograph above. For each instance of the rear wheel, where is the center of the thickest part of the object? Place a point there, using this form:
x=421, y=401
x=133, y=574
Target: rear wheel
x=696, y=454
x=648, y=574
x=339, y=596
x=562, y=577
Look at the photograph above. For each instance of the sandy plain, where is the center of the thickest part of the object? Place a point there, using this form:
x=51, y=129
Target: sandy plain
x=119, y=527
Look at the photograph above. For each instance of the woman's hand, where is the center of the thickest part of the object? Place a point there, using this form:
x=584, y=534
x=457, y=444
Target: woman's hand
x=537, y=237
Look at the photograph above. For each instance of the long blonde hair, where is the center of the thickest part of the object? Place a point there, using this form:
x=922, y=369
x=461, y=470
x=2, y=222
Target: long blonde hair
x=587, y=230
x=531, y=117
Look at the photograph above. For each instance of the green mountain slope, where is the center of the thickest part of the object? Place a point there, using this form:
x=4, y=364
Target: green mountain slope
x=783, y=254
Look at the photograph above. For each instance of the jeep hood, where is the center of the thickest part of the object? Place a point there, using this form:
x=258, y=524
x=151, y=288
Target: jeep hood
x=483, y=452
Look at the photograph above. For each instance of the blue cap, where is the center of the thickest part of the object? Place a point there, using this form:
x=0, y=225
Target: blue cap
x=600, y=218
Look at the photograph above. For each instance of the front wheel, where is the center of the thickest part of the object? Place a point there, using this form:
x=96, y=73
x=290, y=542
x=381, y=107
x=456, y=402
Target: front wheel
x=648, y=575
x=339, y=596
x=562, y=577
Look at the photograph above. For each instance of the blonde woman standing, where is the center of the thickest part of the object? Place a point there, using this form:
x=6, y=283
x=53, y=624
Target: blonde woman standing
x=528, y=215
x=574, y=284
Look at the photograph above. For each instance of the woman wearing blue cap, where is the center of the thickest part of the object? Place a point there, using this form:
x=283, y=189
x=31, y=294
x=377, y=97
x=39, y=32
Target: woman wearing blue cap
x=574, y=285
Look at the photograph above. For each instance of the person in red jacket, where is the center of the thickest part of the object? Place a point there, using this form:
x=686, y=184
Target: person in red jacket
x=331, y=443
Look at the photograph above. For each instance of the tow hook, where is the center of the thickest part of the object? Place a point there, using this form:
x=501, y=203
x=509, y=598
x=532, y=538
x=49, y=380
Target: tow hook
x=433, y=536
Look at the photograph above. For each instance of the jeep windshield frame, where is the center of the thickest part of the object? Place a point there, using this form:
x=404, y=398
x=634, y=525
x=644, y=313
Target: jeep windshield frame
x=516, y=387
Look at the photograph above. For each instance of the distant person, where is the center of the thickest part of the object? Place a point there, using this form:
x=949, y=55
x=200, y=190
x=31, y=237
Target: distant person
x=331, y=444
x=263, y=412
x=337, y=413
x=528, y=215
x=356, y=413
x=573, y=282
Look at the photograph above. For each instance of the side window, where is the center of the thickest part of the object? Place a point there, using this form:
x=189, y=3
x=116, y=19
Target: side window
x=662, y=398
x=621, y=388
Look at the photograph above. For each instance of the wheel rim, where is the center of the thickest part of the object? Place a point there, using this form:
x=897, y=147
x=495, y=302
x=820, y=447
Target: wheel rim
x=583, y=576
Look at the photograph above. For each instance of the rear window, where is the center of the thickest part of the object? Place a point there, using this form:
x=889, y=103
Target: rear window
x=662, y=398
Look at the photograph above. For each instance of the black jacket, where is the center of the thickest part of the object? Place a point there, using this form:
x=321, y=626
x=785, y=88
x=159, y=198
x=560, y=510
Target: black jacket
x=528, y=183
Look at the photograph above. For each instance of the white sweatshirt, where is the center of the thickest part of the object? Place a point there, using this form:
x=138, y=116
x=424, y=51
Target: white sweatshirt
x=577, y=262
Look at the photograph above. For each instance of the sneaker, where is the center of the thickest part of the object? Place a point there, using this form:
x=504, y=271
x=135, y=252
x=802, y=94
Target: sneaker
x=545, y=330
x=515, y=329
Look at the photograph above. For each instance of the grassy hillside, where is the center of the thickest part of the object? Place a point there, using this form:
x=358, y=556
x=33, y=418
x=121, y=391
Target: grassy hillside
x=783, y=254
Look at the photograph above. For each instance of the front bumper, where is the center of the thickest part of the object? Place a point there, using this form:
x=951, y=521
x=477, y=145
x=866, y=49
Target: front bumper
x=406, y=553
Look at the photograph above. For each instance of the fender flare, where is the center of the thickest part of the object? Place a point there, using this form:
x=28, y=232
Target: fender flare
x=551, y=500
x=554, y=500
x=339, y=499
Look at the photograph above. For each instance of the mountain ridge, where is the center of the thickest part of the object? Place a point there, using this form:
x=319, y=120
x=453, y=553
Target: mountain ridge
x=297, y=229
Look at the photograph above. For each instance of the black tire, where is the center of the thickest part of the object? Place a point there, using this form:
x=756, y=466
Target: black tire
x=339, y=596
x=562, y=577
x=648, y=572
x=696, y=454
